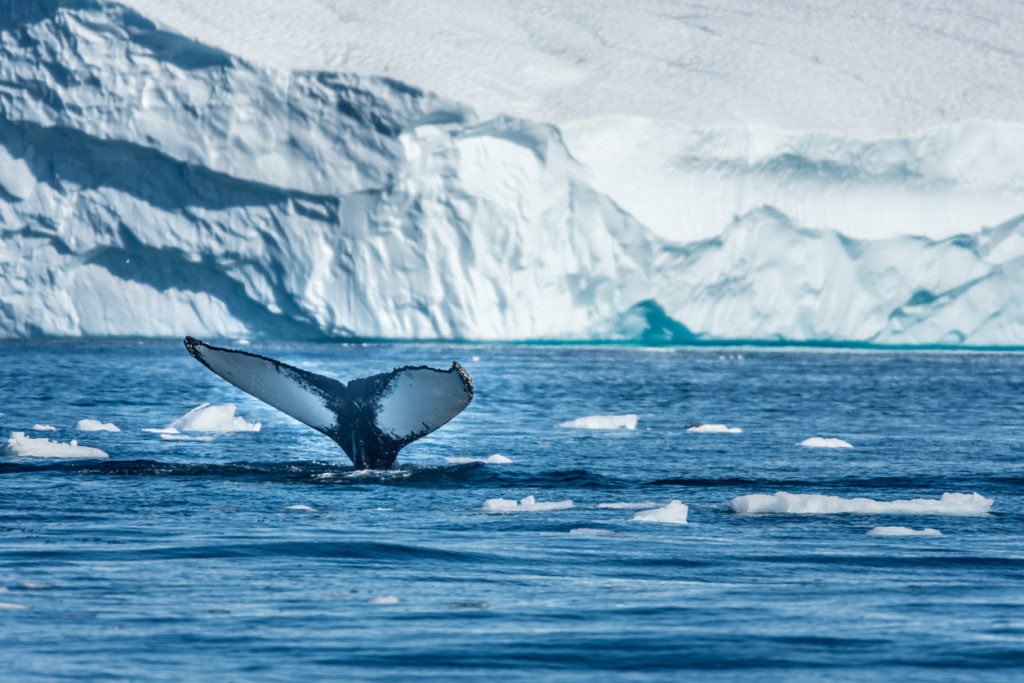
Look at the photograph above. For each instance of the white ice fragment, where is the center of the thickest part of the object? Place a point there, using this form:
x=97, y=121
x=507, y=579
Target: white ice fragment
x=673, y=513
x=824, y=442
x=184, y=437
x=587, y=531
x=496, y=459
x=713, y=429
x=43, y=428
x=30, y=586
x=528, y=504
x=298, y=508
x=21, y=445
x=88, y=425
x=602, y=422
x=213, y=418
x=13, y=605
x=643, y=505
x=903, y=531
x=161, y=430
x=951, y=504
x=385, y=600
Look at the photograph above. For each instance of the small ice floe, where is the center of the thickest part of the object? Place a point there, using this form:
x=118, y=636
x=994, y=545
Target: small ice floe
x=13, y=605
x=951, y=504
x=642, y=505
x=243, y=342
x=602, y=422
x=699, y=428
x=476, y=359
x=587, y=531
x=385, y=600
x=184, y=437
x=496, y=506
x=824, y=442
x=673, y=513
x=88, y=425
x=43, y=428
x=496, y=459
x=903, y=531
x=298, y=508
x=161, y=430
x=22, y=445
x=211, y=418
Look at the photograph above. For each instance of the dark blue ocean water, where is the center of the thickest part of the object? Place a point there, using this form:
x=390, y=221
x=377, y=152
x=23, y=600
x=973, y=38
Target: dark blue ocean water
x=176, y=560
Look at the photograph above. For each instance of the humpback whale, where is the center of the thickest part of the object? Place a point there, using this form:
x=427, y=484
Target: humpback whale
x=371, y=418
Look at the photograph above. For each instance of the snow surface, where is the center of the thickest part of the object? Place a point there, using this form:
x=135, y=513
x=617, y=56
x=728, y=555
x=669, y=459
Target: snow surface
x=824, y=442
x=754, y=172
x=87, y=425
x=212, y=418
x=673, y=513
x=951, y=504
x=495, y=506
x=713, y=429
x=23, y=446
x=602, y=422
x=903, y=531
x=867, y=67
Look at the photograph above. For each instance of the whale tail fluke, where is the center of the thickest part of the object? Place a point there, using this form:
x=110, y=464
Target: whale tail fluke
x=370, y=418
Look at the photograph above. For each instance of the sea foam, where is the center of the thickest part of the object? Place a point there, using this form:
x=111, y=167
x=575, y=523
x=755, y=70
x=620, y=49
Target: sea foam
x=951, y=504
x=496, y=506
x=673, y=513
x=627, y=421
x=21, y=445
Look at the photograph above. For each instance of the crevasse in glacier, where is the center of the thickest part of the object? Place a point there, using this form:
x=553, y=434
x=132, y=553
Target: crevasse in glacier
x=154, y=186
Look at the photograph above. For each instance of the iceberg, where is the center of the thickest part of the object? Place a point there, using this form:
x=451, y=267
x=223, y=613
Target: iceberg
x=142, y=170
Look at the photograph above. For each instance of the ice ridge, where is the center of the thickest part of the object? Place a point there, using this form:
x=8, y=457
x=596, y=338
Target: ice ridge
x=142, y=171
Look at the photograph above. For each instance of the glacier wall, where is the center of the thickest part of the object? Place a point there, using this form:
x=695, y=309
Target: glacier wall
x=154, y=186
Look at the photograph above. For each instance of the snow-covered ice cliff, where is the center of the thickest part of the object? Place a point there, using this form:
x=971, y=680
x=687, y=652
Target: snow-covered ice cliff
x=152, y=185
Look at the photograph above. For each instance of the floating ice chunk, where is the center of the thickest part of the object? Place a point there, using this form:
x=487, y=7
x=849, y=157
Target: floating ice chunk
x=903, y=531
x=385, y=600
x=951, y=504
x=496, y=459
x=43, y=428
x=673, y=513
x=29, y=586
x=643, y=505
x=699, y=428
x=162, y=430
x=184, y=437
x=22, y=445
x=602, y=422
x=587, y=531
x=13, y=605
x=823, y=442
x=298, y=508
x=495, y=506
x=210, y=418
x=88, y=425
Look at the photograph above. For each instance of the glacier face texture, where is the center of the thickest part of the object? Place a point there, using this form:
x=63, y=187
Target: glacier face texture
x=153, y=186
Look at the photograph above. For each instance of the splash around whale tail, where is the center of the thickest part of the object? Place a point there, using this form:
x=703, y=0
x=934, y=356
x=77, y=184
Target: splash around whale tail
x=371, y=418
